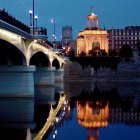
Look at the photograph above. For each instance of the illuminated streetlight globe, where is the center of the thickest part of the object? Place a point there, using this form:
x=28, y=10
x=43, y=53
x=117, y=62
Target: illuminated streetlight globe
x=52, y=20
x=36, y=17
x=30, y=12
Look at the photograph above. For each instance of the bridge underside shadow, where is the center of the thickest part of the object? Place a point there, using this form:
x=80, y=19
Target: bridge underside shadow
x=10, y=55
x=40, y=60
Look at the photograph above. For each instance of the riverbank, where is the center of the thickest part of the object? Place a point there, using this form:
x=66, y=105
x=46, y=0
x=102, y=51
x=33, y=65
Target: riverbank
x=126, y=71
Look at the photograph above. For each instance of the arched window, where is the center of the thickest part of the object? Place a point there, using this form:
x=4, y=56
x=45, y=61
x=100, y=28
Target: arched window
x=95, y=45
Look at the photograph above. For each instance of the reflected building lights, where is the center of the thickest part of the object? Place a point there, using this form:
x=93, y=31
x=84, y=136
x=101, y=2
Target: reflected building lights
x=54, y=136
x=92, y=116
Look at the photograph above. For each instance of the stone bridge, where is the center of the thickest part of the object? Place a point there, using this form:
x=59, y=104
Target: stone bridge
x=26, y=59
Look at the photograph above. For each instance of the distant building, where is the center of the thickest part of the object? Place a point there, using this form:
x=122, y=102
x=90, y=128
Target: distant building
x=129, y=35
x=67, y=34
x=67, y=37
x=92, y=37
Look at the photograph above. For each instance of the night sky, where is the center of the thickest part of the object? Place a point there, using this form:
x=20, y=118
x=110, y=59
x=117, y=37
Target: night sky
x=112, y=13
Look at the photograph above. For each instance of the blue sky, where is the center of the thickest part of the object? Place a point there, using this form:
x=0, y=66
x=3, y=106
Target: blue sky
x=112, y=13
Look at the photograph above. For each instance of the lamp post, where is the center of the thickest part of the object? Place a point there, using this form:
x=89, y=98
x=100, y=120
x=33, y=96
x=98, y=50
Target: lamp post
x=36, y=18
x=31, y=13
x=54, y=36
x=33, y=4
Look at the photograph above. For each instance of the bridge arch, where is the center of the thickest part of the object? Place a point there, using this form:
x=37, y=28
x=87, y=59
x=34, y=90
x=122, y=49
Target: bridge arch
x=40, y=59
x=56, y=64
x=10, y=54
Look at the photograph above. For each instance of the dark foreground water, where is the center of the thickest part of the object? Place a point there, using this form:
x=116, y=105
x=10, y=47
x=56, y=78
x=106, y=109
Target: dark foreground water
x=94, y=111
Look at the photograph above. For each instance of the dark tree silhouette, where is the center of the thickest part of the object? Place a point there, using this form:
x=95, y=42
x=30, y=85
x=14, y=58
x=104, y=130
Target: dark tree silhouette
x=72, y=54
x=82, y=54
x=125, y=51
x=97, y=52
x=113, y=52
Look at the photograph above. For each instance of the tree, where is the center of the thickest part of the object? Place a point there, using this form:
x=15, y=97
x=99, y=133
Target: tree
x=113, y=52
x=125, y=51
x=82, y=54
x=72, y=54
x=97, y=52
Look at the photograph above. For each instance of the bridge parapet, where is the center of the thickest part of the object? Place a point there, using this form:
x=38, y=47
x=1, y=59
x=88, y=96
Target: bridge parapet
x=10, y=23
x=38, y=31
x=14, y=29
x=5, y=16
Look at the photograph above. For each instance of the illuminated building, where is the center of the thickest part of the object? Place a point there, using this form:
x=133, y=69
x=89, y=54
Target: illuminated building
x=92, y=37
x=92, y=116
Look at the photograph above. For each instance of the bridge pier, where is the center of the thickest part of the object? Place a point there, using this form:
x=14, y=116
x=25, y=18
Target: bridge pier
x=44, y=76
x=17, y=81
x=59, y=74
x=17, y=113
x=45, y=95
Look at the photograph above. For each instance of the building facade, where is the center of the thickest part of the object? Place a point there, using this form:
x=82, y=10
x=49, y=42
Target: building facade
x=67, y=34
x=67, y=37
x=129, y=35
x=92, y=37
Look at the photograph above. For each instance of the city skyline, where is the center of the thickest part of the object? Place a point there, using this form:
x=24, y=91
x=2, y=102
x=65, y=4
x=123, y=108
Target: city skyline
x=116, y=14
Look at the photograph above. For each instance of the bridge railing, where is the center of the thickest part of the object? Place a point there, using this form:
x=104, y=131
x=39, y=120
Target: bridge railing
x=38, y=30
x=5, y=16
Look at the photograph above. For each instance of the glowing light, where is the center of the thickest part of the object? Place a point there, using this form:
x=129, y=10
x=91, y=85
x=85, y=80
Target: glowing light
x=65, y=102
x=54, y=136
x=35, y=40
x=30, y=12
x=8, y=34
x=52, y=20
x=57, y=119
x=64, y=108
x=92, y=14
x=55, y=132
x=36, y=17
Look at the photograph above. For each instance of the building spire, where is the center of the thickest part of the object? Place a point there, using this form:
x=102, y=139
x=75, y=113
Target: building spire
x=92, y=19
x=92, y=8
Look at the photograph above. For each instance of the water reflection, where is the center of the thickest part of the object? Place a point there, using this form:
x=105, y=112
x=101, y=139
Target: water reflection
x=92, y=111
x=16, y=115
x=23, y=118
x=92, y=115
x=99, y=108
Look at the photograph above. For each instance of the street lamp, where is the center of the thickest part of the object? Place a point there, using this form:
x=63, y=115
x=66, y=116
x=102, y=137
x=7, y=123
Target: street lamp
x=33, y=4
x=53, y=21
x=54, y=36
x=36, y=18
x=31, y=13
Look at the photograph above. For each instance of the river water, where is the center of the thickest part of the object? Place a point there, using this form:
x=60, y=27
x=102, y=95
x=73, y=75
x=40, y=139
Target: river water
x=94, y=111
